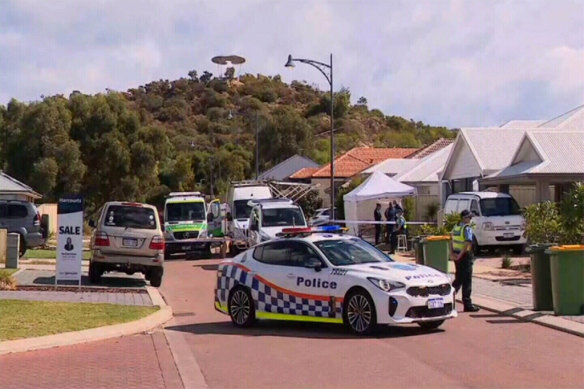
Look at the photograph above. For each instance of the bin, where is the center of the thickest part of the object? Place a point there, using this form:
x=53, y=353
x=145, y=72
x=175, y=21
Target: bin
x=567, y=271
x=541, y=278
x=418, y=249
x=437, y=252
x=12, y=251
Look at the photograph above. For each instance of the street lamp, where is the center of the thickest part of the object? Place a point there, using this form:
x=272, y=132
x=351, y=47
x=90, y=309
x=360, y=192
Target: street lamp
x=257, y=141
x=323, y=67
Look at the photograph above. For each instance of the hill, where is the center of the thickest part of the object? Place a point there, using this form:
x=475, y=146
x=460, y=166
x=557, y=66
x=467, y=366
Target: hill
x=176, y=135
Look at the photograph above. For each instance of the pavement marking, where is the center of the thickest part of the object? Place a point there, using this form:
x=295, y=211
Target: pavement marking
x=188, y=368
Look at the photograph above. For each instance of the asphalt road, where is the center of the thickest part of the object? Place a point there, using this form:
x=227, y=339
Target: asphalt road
x=474, y=350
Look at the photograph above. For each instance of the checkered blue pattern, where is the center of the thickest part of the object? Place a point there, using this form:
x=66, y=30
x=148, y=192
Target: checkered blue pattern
x=269, y=299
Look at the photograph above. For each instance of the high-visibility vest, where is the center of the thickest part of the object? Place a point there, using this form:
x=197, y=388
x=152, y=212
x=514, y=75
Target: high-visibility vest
x=458, y=238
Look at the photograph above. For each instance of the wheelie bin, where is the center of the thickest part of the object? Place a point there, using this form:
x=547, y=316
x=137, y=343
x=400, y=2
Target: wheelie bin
x=567, y=269
x=541, y=278
x=437, y=252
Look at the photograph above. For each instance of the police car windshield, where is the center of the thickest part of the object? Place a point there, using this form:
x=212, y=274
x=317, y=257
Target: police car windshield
x=344, y=252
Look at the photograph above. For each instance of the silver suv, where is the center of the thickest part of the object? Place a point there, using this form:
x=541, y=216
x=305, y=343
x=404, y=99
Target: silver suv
x=127, y=238
x=23, y=218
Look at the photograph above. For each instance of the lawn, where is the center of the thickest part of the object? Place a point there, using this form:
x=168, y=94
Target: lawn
x=50, y=254
x=25, y=319
x=9, y=271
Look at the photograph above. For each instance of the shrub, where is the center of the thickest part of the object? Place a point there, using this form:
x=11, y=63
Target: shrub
x=572, y=215
x=542, y=222
x=7, y=282
x=506, y=261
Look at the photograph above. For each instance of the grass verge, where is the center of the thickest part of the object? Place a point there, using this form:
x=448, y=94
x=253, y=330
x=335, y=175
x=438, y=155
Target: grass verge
x=49, y=254
x=26, y=319
x=9, y=271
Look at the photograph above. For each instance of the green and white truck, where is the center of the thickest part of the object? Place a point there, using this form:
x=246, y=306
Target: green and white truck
x=190, y=223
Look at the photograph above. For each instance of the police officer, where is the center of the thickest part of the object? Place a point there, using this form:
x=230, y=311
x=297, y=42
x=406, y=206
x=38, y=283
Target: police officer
x=377, y=217
x=389, y=216
x=461, y=253
x=400, y=228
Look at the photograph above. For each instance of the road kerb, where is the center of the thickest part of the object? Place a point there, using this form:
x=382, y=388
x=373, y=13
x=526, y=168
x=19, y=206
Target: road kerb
x=145, y=324
x=507, y=309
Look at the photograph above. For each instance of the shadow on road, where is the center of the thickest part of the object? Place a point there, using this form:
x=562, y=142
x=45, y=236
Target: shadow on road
x=115, y=282
x=297, y=330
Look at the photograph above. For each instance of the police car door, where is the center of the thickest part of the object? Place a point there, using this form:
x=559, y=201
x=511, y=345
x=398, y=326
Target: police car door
x=296, y=289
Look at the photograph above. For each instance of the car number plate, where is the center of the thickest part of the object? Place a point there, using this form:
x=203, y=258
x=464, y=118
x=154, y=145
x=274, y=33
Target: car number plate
x=186, y=248
x=435, y=303
x=130, y=242
x=508, y=235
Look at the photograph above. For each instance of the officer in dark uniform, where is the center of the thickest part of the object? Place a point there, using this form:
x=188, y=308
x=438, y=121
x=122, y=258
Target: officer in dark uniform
x=377, y=217
x=461, y=253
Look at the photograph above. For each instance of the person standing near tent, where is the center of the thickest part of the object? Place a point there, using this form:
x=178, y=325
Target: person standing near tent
x=400, y=228
x=389, y=216
x=377, y=217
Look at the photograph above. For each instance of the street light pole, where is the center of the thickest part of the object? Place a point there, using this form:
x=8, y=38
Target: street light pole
x=329, y=77
x=257, y=156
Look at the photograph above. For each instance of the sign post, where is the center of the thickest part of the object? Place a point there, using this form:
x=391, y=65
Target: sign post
x=69, y=239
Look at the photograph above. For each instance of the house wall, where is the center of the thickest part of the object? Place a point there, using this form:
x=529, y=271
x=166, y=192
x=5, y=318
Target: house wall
x=14, y=196
x=51, y=210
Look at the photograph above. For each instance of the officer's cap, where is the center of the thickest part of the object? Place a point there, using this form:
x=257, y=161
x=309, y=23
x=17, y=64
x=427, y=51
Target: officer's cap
x=465, y=213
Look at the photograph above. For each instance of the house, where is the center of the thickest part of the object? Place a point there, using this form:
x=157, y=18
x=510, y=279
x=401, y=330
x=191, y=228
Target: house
x=490, y=157
x=12, y=189
x=349, y=165
x=544, y=158
x=283, y=170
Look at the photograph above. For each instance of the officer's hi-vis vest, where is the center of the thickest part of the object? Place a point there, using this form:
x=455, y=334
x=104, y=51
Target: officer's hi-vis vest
x=458, y=237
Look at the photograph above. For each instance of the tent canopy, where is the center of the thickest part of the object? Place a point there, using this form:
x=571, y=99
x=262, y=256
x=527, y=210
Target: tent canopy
x=379, y=186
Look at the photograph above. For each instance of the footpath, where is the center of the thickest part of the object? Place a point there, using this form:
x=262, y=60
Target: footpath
x=509, y=292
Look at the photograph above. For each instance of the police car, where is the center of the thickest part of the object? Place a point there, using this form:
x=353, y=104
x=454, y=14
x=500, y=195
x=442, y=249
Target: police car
x=321, y=275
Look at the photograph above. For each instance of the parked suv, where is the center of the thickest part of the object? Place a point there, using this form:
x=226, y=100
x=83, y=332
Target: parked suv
x=127, y=238
x=23, y=218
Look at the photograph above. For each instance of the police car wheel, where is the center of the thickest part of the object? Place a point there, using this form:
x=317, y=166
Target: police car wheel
x=430, y=325
x=241, y=307
x=359, y=313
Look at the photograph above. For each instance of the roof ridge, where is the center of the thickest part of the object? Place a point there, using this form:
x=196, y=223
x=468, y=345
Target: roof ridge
x=559, y=116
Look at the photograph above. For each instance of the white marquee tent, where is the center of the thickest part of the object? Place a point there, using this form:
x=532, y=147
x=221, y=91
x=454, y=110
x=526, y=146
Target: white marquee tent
x=360, y=202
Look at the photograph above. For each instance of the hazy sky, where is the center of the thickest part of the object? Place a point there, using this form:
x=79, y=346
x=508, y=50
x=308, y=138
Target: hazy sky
x=453, y=63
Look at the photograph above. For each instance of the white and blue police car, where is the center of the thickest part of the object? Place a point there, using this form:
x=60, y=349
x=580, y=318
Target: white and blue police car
x=321, y=275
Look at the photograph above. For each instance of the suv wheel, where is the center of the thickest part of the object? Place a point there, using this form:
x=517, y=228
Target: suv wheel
x=156, y=277
x=95, y=272
x=359, y=313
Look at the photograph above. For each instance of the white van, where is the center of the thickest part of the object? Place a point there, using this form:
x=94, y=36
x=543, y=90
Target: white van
x=497, y=221
x=269, y=217
x=240, y=193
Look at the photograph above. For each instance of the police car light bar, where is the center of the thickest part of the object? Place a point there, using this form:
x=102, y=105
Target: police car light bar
x=310, y=230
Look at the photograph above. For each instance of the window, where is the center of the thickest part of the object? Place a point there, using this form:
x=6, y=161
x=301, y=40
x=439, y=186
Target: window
x=242, y=210
x=351, y=252
x=501, y=206
x=462, y=205
x=130, y=217
x=13, y=211
x=285, y=253
x=474, y=207
x=179, y=212
x=300, y=253
x=276, y=253
x=278, y=217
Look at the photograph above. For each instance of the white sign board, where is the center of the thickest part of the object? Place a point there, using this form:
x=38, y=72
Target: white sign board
x=69, y=239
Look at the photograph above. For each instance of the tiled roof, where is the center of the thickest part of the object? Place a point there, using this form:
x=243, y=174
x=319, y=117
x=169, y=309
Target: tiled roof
x=427, y=169
x=358, y=159
x=12, y=185
x=285, y=169
x=305, y=172
x=432, y=148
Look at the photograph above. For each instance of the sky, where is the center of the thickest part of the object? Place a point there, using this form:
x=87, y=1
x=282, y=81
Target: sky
x=451, y=63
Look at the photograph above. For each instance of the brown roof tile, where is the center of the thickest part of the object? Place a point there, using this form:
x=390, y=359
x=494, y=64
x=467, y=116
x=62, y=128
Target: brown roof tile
x=358, y=159
x=305, y=172
x=432, y=148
